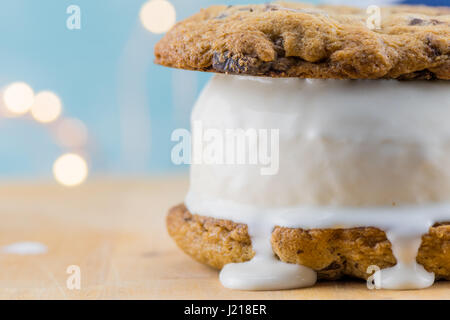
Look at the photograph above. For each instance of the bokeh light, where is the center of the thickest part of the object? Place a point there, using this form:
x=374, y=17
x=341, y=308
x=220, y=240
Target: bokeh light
x=18, y=98
x=158, y=16
x=71, y=133
x=70, y=170
x=46, y=107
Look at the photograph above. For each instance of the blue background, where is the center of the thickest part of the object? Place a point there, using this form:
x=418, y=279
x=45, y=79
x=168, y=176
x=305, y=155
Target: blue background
x=105, y=77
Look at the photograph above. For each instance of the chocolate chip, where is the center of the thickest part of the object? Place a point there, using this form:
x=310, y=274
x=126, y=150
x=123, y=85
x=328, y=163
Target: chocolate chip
x=435, y=22
x=221, y=16
x=227, y=63
x=333, y=266
x=278, y=45
x=415, y=22
x=419, y=75
x=421, y=22
x=224, y=62
x=434, y=50
x=271, y=7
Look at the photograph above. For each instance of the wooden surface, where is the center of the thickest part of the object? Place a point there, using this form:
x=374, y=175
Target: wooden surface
x=115, y=232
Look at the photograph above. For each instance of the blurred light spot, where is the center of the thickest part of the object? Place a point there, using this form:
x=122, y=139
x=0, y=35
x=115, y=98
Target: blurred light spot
x=158, y=16
x=70, y=170
x=18, y=98
x=25, y=248
x=46, y=107
x=71, y=133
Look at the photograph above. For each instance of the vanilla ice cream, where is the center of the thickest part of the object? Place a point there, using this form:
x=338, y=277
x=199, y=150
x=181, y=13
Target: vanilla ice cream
x=345, y=143
x=349, y=152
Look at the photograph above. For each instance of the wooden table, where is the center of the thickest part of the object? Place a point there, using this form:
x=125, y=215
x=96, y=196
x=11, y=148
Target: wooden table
x=115, y=232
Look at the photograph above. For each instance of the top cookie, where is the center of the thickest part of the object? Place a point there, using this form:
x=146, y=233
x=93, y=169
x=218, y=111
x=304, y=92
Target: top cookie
x=306, y=41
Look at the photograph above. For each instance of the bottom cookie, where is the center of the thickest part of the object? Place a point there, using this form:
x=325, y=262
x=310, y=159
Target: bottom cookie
x=332, y=253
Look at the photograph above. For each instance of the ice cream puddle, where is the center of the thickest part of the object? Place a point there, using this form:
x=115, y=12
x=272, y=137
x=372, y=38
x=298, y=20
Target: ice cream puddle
x=347, y=151
x=264, y=272
x=24, y=248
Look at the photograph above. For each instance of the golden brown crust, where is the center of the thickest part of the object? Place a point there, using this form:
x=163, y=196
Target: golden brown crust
x=333, y=253
x=300, y=40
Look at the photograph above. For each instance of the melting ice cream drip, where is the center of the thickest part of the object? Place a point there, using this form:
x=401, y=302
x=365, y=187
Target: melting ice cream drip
x=404, y=228
x=407, y=273
x=264, y=271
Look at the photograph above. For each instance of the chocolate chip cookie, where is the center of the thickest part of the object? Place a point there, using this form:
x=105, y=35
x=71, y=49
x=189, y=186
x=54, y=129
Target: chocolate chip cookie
x=305, y=41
